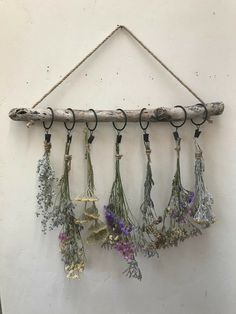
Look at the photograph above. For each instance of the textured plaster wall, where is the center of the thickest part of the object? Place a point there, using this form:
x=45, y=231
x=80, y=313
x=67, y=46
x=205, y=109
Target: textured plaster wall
x=40, y=41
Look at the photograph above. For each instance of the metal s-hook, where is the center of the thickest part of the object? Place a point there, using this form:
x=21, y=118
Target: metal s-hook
x=91, y=137
x=119, y=136
x=176, y=134
x=205, y=116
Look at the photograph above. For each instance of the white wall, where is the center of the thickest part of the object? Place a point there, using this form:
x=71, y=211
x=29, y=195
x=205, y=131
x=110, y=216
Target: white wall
x=40, y=41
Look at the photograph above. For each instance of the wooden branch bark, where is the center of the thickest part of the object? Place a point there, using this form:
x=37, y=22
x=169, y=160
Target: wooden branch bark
x=161, y=114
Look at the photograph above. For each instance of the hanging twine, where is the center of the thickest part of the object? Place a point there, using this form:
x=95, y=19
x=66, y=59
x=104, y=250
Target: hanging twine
x=47, y=146
x=122, y=27
x=118, y=156
x=148, y=151
x=68, y=159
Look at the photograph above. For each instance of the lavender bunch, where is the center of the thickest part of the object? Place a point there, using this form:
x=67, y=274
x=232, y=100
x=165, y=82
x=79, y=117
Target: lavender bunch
x=46, y=184
x=90, y=215
x=62, y=214
x=121, y=224
x=149, y=219
x=181, y=225
x=202, y=204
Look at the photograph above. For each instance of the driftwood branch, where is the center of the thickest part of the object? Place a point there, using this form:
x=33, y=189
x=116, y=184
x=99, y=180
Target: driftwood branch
x=161, y=114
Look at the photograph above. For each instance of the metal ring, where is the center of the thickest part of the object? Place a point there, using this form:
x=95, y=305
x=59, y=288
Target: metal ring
x=73, y=123
x=121, y=129
x=204, y=118
x=185, y=118
x=96, y=121
x=140, y=121
x=51, y=122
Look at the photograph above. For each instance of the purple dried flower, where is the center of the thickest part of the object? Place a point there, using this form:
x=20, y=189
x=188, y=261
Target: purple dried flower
x=118, y=225
x=126, y=232
x=126, y=229
x=121, y=224
x=126, y=249
x=190, y=197
x=62, y=237
x=110, y=217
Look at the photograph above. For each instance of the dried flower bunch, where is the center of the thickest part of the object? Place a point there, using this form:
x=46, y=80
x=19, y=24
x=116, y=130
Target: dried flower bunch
x=187, y=212
x=202, y=204
x=121, y=223
x=97, y=229
x=149, y=220
x=178, y=211
x=71, y=244
x=46, y=184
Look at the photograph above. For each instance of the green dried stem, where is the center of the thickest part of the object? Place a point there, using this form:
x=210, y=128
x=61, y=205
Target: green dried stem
x=202, y=205
x=149, y=219
x=71, y=243
x=90, y=186
x=71, y=246
x=97, y=229
x=177, y=213
x=117, y=196
x=123, y=231
x=46, y=186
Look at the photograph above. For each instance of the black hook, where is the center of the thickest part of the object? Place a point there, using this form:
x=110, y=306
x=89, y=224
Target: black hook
x=73, y=123
x=91, y=137
x=51, y=122
x=144, y=128
x=47, y=128
x=119, y=136
x=176, y=134
x=197, y=131
x=69, y=136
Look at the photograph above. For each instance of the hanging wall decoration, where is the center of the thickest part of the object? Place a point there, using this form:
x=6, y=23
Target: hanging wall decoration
x=120, y=221
x=186, y=214
x=178, y=210
x=97, y=229
x=149, y=220
x=46, y=179
x=62, y=215
x=202, y=203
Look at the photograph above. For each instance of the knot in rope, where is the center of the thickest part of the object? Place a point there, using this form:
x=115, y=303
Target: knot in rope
x=177, y=148
x=47, y=146
x=118, y=156
x=198, y=154
x=68, y=161
x=148, y=152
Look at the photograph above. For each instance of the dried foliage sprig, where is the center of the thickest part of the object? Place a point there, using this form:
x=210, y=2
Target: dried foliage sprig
x=71, y=244
x=46, y=184
x=202, y=204
x=181, y=226
x=149, y=220
x=90, y=215
x=121, y=223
